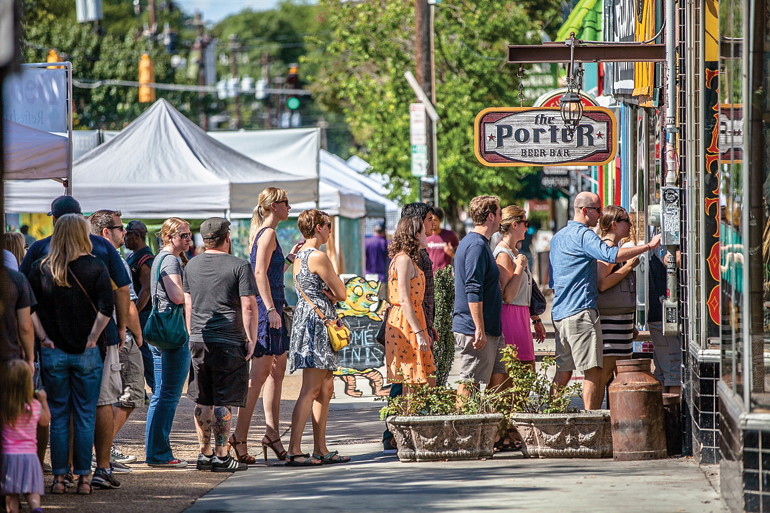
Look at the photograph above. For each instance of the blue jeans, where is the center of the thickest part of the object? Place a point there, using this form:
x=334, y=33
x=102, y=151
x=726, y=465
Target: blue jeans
x=171, y=368
x=73, y=382
x=147, y=357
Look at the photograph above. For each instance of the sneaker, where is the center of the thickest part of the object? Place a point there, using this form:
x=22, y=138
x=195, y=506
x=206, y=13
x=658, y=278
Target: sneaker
x=204, y=462
x=104, y=479
x=175, y=463
x=117, y=455
x=118, y=467
x=227, y=464
x=388, y=447
x=69, y=480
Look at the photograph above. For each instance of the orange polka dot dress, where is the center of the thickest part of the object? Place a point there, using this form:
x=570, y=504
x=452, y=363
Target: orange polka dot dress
x=405, y=362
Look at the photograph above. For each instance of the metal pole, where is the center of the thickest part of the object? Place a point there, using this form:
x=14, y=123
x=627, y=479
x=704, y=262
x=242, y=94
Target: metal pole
x=69, y=128
x=671, y=164
x=234, y=70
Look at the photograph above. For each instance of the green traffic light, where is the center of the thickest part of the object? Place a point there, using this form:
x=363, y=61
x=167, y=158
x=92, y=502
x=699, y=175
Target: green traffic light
x=293, y=103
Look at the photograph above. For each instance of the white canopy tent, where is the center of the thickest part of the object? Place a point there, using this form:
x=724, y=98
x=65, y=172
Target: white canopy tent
x=163, y=164
x=31, y=154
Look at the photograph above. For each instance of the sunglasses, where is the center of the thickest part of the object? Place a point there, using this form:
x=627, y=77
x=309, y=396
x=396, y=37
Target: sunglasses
x=116, y=227
x=285, y=202
x=624, y=220
x=184, y=236
x=598, y=209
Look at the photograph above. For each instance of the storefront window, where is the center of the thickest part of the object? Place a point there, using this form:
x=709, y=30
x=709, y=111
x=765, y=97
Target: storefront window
x=730, y=145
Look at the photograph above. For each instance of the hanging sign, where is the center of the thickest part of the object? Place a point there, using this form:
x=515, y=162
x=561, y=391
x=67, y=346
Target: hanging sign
x=522, y=136
x=417, y=132
x=419, y=160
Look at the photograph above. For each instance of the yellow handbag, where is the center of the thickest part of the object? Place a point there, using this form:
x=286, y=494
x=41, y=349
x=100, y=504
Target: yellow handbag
x=339, y=333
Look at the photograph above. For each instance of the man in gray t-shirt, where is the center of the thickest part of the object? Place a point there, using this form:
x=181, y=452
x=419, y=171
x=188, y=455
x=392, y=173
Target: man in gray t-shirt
x=221, y=313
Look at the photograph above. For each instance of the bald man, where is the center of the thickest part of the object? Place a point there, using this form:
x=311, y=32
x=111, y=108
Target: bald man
x=574, y=252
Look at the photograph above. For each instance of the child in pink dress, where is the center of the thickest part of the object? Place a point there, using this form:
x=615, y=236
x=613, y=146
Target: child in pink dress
x=20, y=414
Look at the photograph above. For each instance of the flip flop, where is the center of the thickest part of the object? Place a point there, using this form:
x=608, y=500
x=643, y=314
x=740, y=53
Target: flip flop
x=329, y=459
x=308, y=462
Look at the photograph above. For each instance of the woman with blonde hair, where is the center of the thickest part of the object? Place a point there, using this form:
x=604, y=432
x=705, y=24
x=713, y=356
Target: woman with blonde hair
x=14, y=242
x=618, y=330
x=269, y=361
x=318, y=287
x=75, y=303
x=408, y=354
x=171, y=365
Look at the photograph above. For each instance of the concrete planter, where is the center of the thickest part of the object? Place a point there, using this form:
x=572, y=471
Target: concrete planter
x=445, y=437
x=587, y=434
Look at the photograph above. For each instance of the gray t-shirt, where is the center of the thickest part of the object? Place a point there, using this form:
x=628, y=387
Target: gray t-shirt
x=524, y=296
x=169, y=266
x=216, y=282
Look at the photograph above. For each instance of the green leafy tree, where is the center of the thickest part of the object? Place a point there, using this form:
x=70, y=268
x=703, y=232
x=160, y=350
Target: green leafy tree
x=361, y=74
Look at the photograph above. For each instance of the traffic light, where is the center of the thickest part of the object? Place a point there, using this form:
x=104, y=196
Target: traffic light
x=292, y=78
x=146, y=76
x=293, y=103
x=53, y=57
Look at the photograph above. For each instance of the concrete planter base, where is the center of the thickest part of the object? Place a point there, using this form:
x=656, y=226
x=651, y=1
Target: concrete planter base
x=445, y=437
x=586, y=434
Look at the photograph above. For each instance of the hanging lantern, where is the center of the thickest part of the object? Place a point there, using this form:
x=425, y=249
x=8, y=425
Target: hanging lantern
x=571, y=106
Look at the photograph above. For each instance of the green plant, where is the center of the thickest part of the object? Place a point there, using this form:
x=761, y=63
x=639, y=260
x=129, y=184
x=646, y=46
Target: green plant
x=444, y=347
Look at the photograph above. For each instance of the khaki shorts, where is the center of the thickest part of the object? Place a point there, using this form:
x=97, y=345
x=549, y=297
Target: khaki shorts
x=480, y=365
x=579, y=345
x=112, y=386
x=131, y=376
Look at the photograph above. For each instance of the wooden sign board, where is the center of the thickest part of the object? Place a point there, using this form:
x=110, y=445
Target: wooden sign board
x=524, y=136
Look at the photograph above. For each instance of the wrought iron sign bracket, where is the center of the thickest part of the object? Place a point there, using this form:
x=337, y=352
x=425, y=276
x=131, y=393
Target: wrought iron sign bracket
x=559, y=52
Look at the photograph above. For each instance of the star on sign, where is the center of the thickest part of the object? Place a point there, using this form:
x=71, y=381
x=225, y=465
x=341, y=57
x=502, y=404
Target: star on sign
x=599, y=135
x=491, y=137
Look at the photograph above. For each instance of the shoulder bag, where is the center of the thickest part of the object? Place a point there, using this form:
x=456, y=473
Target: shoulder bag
x=165, y=330
x=537, y=304
x=620, y=298
x=101, y=342
x=339, y=333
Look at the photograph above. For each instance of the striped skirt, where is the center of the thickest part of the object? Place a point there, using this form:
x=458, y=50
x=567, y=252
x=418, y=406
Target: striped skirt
x=618, y=334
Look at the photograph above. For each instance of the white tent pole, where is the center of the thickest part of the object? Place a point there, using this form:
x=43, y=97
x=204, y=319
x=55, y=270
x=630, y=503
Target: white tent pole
x=69, y=128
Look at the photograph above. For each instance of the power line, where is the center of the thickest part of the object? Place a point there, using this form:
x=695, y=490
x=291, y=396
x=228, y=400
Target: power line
x=85, y=83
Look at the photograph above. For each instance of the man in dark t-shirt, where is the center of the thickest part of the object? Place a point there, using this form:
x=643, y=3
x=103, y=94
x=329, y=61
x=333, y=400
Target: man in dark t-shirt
x=19, y=335
x=221, y=313
x=140, y=263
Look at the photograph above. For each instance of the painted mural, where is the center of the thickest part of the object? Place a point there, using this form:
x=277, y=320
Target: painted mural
x=711, y=198
x=363, y=358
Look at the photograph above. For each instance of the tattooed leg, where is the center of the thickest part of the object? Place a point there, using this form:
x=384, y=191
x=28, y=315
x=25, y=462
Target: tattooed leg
x=221, y=428
x=203, y=420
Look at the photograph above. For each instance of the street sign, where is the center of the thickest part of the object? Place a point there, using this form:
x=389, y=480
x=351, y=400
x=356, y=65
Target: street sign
x=554, y=178
x=37, y=98
x=417, y=131
x=522, y=136
x=419, y=160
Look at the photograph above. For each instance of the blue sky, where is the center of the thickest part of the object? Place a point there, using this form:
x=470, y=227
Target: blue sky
x=216, y=10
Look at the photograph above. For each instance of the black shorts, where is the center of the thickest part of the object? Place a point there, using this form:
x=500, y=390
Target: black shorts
x=221, y=374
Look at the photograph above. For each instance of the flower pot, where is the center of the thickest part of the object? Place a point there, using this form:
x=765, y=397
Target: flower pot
x=445, y=437
x=586, y=434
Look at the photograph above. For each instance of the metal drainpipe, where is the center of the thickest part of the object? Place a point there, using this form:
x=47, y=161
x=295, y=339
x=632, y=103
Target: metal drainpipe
x=671, y=131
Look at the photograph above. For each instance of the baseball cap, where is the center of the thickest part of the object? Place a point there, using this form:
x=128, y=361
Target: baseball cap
x=214, y=227
x=137, y=227
x=64, y=205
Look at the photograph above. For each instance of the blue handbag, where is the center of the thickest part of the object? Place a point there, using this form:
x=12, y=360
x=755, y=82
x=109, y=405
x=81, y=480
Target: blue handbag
x=165, y=330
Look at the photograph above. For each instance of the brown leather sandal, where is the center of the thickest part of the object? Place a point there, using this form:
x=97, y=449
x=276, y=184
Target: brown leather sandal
x=271, y=443
x=246, y=458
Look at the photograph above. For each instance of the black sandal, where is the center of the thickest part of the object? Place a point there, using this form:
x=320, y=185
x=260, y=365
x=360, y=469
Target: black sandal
x=329, y=458
x=308, y=462
x=58, y=486
x=85, y=491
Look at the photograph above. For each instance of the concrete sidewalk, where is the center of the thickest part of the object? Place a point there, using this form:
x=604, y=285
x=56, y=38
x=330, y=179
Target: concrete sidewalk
x=374, y=482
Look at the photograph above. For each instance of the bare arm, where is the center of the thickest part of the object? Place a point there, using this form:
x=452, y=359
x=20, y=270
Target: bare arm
x=122, y=302
x=187, y=310
x=319, y=264
x=144, y=292
x=250, y=322
x=45, y=412
x=607, y=279
x=133, y=323
x=99, y=324
x=515, y=270
x=26, y=334
x=264, y=251
x=38, y=326
x=477, y=313
x=405, y=270
x=629, y=253
x=174, y=291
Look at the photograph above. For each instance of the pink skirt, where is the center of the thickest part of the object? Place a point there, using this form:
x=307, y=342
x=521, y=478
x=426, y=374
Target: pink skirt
x=517, y=331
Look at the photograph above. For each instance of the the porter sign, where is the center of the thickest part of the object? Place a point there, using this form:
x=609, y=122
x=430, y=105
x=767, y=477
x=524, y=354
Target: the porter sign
x=515, y=136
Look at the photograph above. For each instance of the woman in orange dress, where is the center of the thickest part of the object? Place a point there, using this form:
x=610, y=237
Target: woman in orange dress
x=407, y=344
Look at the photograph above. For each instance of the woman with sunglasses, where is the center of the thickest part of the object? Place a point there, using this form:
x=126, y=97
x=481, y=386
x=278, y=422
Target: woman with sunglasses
x=268, y=365
x=618, y=330
x=171, y=365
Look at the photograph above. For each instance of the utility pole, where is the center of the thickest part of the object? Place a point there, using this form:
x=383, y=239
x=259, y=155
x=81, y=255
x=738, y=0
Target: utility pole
x=234, y=70
x=266, y=78
x=203, y=119
x=153, y=23
x=423, y=52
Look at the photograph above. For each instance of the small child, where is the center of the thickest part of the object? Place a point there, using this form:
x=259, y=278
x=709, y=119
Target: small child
x=20, y=414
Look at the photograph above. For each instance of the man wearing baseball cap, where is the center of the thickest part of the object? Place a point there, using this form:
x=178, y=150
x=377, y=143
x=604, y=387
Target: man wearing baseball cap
x=221, y=313
x=140, y=263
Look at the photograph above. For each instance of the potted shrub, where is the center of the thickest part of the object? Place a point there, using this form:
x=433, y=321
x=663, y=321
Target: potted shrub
x=444, y=347
x=548, y=427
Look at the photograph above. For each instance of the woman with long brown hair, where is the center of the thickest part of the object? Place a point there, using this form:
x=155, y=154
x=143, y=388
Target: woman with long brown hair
x=171, y=365
x=618, y=330
x=408, y=354
x=268, y=364
x=75, y=303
